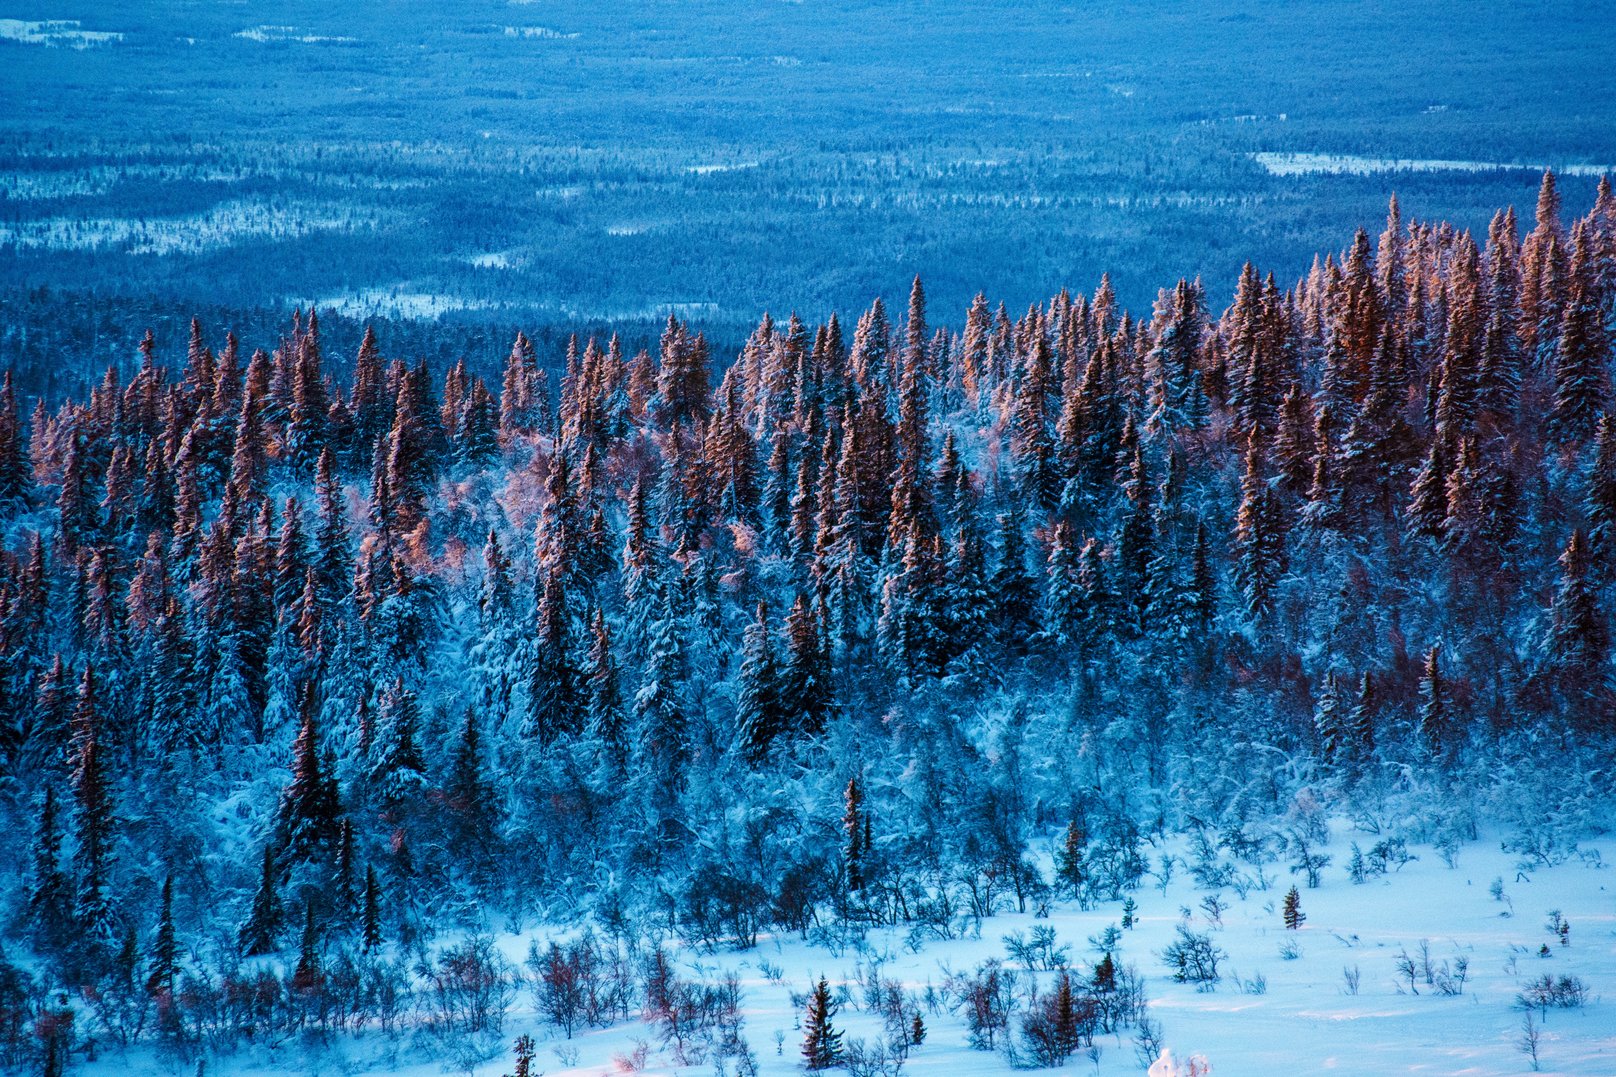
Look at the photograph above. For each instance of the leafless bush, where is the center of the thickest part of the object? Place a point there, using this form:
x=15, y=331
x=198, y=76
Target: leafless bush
x=472, y=985
x=1194, y=959
x=1557, y=993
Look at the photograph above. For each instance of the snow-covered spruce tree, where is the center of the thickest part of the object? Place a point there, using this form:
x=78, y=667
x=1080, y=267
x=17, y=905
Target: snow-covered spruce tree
x=307, y=818
x=1577, y=647
x=1259, y=538
x=759, y=711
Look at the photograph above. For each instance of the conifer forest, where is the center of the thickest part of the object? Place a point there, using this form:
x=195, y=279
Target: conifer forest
x=1204, y=663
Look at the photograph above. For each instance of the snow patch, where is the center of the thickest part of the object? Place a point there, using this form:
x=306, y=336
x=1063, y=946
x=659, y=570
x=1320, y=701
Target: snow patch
x=98, y=180
x=221, y=226
x=1303, y=164
x=543, y=33
x=398, y=301
x=731, y=166
x=496, y=260
x=56, y=33
x=290, y=33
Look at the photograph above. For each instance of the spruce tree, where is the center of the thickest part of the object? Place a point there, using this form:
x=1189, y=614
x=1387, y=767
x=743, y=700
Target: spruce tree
x=470, y=796
x=165, y=953
x=607, y=719
x=1601, y=497
x=16, y=482
x=1292, y=913
x=1361, y=722
x=1581, y=355
x=1012, y=585
x=759, y=713
x=1069, y=872
x=659, y=711
x=259, y=935
x=1259, y=541
x=50, y=897
x=370, y=924
x=1031, y=448
x=1137, y=541
x=821, y=1043
x=94, y=915
x=344, y=892
x=397, y=777
x=307, y=819
x=1329, y=721
x=855, y=831
x=554, y=693
x=307, y=975
x=805, y=689
x=1578, y=644
x=1435, y=721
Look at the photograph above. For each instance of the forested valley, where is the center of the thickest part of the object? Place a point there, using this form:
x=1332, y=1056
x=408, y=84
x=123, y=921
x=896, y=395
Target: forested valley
x=318, y=670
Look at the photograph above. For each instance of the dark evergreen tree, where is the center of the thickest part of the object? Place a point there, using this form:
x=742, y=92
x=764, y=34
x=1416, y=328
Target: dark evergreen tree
x=606, y=715
x=1259, y=539
x=471, y=797
x=50, y=898
x=344, y=892
x=307, y=975
x=307, y=821
x=1361, y=722
x=95, y=919
x=555, y=697
x=759, y=711
x=821, y=1043
x=1601, y=499
x=397, y=777
x=856, y=835
x=16, y=482
x=1578, y=643
x=165, y=951
x=1292, y=912
x=1013, y=587
x=260, y=934
x=1329, y=720
x=1069, y=873
x=805, y=682
x=1581, y=354
x=1435, y=718
x=370, y=927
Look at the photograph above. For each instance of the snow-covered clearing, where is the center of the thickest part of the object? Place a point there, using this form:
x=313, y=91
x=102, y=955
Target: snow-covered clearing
x=68, y=33
x=1335, y=164
x=1270, y=1014
x=729, y=166
x=540, y=33
x=399, y=301
x=290, y=33
x=223, y=225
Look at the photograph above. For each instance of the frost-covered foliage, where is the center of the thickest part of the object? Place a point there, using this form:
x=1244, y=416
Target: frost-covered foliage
x=904, y=627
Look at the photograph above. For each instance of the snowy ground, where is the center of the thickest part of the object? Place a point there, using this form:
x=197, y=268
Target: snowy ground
x=1305, y=1020
x=1303, y=164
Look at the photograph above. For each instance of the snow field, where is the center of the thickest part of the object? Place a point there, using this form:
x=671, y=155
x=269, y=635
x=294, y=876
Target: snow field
x=1285, y=1004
